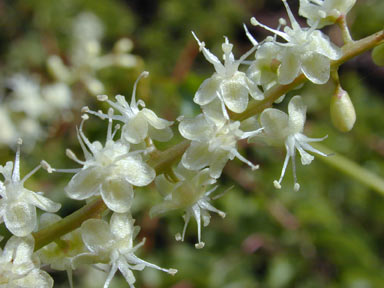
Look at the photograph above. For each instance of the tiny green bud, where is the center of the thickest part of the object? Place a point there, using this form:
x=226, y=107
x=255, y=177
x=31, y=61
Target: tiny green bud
x=343, y=113
x=378, y=55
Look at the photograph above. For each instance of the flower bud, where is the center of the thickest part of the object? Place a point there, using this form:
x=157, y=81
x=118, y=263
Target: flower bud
x=343, y=113
x=378, y=55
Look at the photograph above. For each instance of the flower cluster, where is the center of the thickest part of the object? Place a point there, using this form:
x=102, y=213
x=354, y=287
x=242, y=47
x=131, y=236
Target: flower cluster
x=113, y=172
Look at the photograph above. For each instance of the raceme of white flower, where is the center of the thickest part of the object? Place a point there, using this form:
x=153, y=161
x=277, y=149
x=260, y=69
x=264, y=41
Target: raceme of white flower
x=110, y=171
x=213, y=143
x=324, y=12
x=114, y=169
x=18, y=204
x=138, y=124
x=227, y=83
x=112, y=243
x=188, y=194
x=282, y=129
x=19, y=267
x=307, y=50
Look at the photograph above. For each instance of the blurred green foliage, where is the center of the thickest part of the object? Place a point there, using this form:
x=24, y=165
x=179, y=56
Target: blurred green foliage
x=330, y=234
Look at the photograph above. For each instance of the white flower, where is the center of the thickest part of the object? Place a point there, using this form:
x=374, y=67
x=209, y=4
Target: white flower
x=19, y=267
x=26, y=96
x=18, y=204
x=58, y=96
x=227, y=84
x=138, y=124
x=113, y=244
x=213, y=143
x=111, y=171
x=282, y=129
x=188, y=194
x=307, y=50
x=324, y=12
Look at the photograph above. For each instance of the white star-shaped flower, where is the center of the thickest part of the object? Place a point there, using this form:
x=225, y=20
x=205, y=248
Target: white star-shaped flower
x=19, y=267
x=113, y=244
x=111, y=171
x=320, y=13
x=282, y=129
x=138, y=124
x=307, y=50
x=189, y=194
x=227, y=84
x=213, y=143
x=18, y=204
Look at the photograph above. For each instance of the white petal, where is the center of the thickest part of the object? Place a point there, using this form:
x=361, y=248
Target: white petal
x=196, y=156
x=163, y=186
x=126, y=271
x=254, y=90
x=297, y=114
x=214, y=111
x=163, y=207
x=155, y=121
x=289, y=67
x=217, y=165
x=197, y=128
x=235, y=92
x=117, y=194
x=316, y=68
x=137, y=172
x=207, y=90
x=96, y=235
x=84, y=184
x=135, y=129
x=41, y=202
x=162, y=135
x=122, y=226
x=275, y=123
x=20, y=218
x=36, y=278
x=323, y=45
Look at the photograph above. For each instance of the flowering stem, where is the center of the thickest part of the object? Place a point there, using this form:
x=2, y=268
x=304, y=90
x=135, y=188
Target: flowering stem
x=342, y=23
x=163, y=160
x=351, y=168
x=91, y=210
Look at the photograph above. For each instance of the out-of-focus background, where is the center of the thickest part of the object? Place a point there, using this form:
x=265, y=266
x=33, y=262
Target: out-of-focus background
x=55, y=56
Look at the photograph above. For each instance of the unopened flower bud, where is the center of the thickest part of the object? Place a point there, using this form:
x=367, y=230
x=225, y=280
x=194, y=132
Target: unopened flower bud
x=124, y=45
x=378, y=55
x=343, y=113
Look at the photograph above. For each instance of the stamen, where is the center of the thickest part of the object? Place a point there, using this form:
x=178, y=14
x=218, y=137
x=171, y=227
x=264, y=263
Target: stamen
x=243, y=159
x=31, y=173
x=143, y=74
x=249, y=36
x=73, y=157
x=283, y=35
x=296, y=186
x=117, y=127
x=109, y=129
x=85, y=139
x=292, y=19
x=16, y=168
x=277, y=184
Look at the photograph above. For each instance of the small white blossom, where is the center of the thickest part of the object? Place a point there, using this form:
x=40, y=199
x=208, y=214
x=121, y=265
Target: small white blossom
x=282, y=129
x=19, y=267
x=113, y=244
x=227, y=84
x=324, y=12
x=111, y=171
x=58, y=96
x=138, y=124
x=307, y=50
x=18, y=204
x=213, y=143
x=190, y=195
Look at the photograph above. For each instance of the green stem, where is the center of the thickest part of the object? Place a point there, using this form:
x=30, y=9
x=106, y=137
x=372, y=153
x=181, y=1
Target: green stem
x=351, y=168
x=91, y=210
